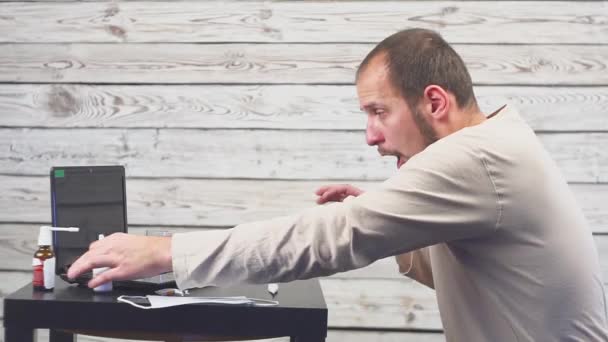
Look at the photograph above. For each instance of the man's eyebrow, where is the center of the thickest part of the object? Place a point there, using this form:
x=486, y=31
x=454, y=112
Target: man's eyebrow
x=371, y=105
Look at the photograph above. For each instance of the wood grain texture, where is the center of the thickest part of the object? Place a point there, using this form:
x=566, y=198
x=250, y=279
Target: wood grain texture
x=260, y=154
x=401, y=304
x=257, y=21
x=277, y=107
x=282, y=63
x=386, y=336
x=178, y=78
x=222, y=203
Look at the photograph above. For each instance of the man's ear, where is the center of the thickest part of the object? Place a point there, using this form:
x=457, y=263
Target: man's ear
x=438, y=100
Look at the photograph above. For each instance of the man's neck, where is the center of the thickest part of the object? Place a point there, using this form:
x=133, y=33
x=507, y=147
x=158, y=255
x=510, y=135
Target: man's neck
x=461, y=119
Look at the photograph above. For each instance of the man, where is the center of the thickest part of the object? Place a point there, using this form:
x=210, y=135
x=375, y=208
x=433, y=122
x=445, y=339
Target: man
x=477, y=210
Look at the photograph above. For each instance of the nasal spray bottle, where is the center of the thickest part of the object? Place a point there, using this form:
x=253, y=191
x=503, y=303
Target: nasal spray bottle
x=44, y=259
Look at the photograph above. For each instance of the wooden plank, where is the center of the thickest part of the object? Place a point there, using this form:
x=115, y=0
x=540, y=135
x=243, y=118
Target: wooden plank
x=383, y=336
x=282, y=63
x=222, y=203
x=278, y=106
x=551, y=109
x=460, y=22
x=397, y=304
x=172, y=202
x=261, y=154
x=182, y=106
x=332, y=336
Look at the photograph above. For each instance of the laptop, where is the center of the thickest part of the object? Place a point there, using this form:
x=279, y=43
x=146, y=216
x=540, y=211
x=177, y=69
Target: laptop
x=94, y=199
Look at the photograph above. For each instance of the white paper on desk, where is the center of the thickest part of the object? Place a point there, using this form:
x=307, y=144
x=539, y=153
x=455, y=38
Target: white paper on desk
x=157, y=302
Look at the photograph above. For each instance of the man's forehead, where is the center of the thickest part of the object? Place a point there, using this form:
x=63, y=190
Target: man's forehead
x=374, y=88
x=375, y=71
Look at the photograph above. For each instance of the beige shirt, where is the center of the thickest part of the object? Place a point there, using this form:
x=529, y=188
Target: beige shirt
x=511, y=256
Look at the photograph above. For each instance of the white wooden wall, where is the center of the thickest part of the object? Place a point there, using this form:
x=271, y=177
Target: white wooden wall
x=229, y=111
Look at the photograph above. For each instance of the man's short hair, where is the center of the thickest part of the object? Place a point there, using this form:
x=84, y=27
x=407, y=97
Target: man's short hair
x=417, y=58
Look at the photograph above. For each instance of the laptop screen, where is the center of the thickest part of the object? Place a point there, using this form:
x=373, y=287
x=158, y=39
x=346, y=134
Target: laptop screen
x=91, y=198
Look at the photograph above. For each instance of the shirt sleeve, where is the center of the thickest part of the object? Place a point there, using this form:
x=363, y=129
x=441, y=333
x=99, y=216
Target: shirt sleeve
x=443, y=194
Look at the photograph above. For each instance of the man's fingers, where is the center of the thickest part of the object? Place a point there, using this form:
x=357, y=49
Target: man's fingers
x=350, y=190
x=323, y=198
x=93, y=244
x=87, y=262
x=102, y=278
x=336, y=193
x=322, y=189
x=333, y=195
x=80, y=266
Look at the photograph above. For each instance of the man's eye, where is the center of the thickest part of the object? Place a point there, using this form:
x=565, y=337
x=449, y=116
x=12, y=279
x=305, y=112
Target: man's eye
x=378, y=112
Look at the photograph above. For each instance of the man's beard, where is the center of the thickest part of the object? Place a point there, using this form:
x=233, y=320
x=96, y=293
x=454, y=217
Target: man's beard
x=427, y=131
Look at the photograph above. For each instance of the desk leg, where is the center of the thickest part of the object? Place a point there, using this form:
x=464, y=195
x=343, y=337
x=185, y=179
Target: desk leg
x=61, y=336
x=19, y=334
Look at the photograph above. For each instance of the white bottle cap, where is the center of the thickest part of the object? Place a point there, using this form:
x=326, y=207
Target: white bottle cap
x=44, y=236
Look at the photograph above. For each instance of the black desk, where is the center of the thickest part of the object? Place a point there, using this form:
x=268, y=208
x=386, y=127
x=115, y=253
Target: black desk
x=301, y=314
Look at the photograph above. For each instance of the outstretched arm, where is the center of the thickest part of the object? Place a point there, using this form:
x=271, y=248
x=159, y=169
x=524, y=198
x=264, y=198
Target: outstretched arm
x=436, y=197
x=128, y=256
x=415, y=264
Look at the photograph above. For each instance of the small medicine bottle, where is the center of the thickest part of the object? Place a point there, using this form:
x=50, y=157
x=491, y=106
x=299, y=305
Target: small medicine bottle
x=43, y=263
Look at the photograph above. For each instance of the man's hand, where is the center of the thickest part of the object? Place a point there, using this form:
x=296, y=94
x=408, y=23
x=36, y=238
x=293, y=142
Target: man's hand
x=128, y=256
x=336, y=193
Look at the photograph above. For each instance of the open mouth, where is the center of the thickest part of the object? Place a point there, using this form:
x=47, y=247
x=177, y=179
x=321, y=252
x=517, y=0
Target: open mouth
x=400, y=161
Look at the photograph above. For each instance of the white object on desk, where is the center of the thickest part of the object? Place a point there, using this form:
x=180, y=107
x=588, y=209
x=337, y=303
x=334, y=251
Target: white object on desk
x=105, y=287
x=157, y=302
x=273, y=288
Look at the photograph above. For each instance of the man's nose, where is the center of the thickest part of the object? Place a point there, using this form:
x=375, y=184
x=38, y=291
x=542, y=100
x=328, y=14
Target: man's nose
x=372, y=134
